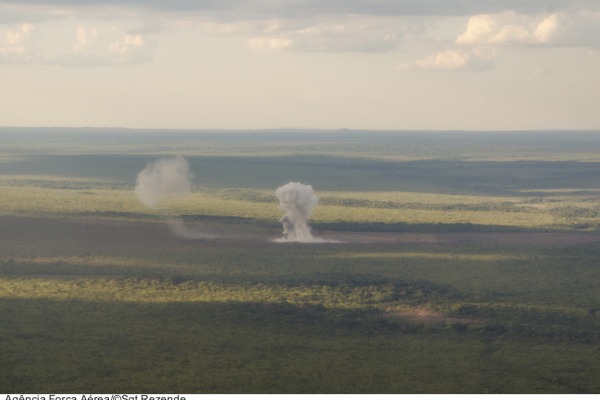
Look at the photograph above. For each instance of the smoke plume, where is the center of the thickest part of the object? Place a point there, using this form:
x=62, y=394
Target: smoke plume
x=298, y=201
x=164, y=178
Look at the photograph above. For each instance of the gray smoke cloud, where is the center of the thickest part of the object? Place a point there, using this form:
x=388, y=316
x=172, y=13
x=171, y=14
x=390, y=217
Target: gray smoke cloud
x=164, y=178
x=171, y=177
x=298, y=201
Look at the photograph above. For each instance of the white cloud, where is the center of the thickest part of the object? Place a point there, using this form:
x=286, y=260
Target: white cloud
x=477, y=48
x=574, y=29
x=336, y=34
x=509, y=28
x=86, y=45
x=17, y=43
x=110, y=49
x=85, y=37
x=332, y=26
x=16, y=36
x=478, y=26
x=265, y=43
x=104, y=46
x=350, y=34
x=547, y=29
x=479, y=59
x=448, y=60
x=126, y=47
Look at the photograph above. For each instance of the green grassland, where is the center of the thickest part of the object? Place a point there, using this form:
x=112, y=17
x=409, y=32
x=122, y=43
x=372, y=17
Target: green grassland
x=341, y=210
x=97, y=295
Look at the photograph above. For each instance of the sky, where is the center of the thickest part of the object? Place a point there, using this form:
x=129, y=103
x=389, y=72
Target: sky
x=305, y=64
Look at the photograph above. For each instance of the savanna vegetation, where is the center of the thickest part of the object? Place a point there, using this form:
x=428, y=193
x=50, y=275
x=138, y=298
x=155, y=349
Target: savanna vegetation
x=467, y=263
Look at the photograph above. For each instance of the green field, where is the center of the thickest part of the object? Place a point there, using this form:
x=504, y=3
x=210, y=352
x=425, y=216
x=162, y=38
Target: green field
x=465, y=262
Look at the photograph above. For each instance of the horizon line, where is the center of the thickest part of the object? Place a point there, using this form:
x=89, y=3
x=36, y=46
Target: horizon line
x=288, y=129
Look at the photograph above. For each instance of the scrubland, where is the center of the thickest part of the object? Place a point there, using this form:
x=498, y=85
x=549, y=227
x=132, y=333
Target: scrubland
x=435, y=286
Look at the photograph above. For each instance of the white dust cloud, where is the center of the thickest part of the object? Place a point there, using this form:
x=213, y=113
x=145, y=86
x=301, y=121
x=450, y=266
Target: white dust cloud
x=162, y=179
x=298, y=201
x=171, y=177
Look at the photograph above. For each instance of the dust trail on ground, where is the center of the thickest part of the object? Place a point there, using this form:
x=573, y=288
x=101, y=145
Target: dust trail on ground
x=178, y=227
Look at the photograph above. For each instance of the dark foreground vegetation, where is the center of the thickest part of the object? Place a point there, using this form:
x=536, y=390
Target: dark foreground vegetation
x=449, y=277
x=234, y=317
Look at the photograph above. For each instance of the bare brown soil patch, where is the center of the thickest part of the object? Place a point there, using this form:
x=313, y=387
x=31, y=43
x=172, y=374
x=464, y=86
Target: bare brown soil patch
x=467, y=238
x=52, y=235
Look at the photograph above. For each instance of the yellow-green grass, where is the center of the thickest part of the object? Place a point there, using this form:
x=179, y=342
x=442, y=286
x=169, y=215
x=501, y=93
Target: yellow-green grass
x=47, y=201
x=407, y=208
x=161, y=291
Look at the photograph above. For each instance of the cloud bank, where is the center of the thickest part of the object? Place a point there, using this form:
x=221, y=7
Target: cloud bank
x=486, y=35
x=578, y=29
x=348, y=34
x=302, y=8
x=335, y=26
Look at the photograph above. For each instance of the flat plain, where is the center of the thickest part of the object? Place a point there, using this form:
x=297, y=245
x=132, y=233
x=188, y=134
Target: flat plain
x=455, y=262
